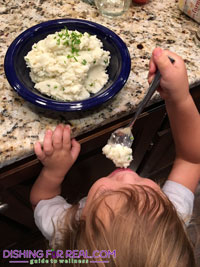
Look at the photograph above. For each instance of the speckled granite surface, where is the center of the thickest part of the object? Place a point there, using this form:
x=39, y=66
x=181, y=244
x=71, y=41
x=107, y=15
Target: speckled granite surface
x=159, y=23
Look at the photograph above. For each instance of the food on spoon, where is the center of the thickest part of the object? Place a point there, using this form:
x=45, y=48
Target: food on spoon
x=119, y=154
x=68, y=65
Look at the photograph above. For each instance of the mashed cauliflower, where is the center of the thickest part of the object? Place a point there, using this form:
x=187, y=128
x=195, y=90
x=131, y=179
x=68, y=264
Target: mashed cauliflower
x=120, y=155
x=68, y=65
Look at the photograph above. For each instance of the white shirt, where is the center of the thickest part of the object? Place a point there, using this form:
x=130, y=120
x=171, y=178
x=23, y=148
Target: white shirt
x=182, y=199
x=48, y=211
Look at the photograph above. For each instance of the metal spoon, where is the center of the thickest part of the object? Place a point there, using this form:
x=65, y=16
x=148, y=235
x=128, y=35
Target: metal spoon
x=124, y=136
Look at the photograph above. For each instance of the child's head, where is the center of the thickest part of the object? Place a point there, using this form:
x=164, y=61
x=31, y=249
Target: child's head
x=131, y=215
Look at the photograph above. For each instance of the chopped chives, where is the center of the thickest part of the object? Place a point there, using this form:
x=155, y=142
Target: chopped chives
x=84, y=62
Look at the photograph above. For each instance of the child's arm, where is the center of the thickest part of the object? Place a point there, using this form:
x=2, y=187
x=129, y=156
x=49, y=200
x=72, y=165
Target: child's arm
x=57, y=155
x=185, y=173
x=183, y=114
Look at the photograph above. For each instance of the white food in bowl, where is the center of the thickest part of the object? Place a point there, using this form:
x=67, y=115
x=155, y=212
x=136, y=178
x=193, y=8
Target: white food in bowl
x=68, y=65
x=120, y=155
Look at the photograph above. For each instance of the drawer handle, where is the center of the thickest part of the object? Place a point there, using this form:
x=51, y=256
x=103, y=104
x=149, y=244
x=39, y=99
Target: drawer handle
x=3, y=207
x=163, y=132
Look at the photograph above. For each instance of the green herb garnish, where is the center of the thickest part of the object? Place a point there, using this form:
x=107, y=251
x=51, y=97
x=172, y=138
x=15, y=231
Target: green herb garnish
x=84, y=62
x=58, y=41
x=71, y=40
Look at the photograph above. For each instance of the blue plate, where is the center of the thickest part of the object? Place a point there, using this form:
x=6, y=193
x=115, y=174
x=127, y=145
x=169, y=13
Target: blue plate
x=17, y=72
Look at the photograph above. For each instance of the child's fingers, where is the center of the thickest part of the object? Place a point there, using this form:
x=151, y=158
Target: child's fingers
x=171, y=54
x=67, y=137
x=75, y=150
x=161, y=59
x=150, y=78
x=152, y=66
x=152, y=70
x=38, y=151
x=58, y=136
x=47, y=144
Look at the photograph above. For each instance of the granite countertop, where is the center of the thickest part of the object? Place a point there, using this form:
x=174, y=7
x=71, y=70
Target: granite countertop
x=159, y=23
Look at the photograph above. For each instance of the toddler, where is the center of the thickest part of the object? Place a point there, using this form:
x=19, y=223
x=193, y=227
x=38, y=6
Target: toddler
x=125, y=213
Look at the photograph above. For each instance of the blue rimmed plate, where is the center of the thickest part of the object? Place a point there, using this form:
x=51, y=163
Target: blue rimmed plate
x=17, y=72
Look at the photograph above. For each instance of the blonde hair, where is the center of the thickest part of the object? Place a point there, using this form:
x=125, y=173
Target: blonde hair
x=145, y=232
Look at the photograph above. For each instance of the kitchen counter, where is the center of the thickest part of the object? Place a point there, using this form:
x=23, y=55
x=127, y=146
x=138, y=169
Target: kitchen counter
x=159, y=23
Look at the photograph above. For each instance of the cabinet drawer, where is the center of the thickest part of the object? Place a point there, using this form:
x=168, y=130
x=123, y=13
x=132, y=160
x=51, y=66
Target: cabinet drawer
x=160, y=155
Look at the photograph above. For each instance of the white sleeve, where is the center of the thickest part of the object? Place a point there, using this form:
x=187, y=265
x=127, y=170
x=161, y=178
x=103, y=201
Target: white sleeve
x=47, y=212
x=181, y=197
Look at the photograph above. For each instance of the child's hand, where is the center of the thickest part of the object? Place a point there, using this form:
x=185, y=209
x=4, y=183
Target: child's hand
x=174, y=86
x=59, y=152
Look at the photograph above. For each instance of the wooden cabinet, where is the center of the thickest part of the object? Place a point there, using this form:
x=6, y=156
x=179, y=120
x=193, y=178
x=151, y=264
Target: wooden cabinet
x=160, y=155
